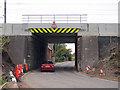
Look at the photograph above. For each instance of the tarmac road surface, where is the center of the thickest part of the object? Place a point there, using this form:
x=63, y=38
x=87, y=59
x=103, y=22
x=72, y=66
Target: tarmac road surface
x=65, y=77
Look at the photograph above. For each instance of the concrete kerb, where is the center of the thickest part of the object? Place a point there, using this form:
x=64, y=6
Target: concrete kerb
x=1, y=86
x=25, y=75
x=10, y=85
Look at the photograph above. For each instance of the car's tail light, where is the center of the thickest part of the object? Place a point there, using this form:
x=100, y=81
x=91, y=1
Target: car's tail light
x=41, y=66
x=52, y=66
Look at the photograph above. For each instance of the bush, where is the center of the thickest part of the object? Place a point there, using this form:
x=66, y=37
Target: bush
x=3, y=81
x=61, y=60
x=115, y=59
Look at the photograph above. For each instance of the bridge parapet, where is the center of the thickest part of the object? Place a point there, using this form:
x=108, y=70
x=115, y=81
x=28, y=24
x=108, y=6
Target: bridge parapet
x=15, y=29
x=98, y=30
x=86, y=29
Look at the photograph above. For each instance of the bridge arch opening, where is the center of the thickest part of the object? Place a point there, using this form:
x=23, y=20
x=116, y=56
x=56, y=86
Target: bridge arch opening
x=41, y=41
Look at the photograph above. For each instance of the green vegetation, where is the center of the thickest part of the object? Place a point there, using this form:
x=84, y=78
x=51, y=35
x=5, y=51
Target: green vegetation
x=3, y=81
x=73, y=58
x=62, y=53
x=115, y=59
x=4, y=41
x=61, y=60
x=1, y=27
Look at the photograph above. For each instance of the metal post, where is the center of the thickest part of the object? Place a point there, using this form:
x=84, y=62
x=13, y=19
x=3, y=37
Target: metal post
x=4, y=11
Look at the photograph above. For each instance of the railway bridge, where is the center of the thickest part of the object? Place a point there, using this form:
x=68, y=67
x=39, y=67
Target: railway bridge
x=93, y=42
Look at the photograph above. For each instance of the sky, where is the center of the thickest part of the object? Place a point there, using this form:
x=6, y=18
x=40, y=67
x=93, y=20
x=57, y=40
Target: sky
x=71, y=46
x=98, y=11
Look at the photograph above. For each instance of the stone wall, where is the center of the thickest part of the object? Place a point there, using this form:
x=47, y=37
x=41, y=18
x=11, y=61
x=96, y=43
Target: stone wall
x=91, y=49
x=38, y=52
x=89, y=53
x=21, y=47
x=16, y=49
x=107, y=45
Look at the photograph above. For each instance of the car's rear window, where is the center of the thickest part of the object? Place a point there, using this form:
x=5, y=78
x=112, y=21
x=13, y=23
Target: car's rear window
x=49, y=62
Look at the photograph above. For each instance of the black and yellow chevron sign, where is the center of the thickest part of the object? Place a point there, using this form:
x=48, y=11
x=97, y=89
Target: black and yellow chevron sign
x=54, y=30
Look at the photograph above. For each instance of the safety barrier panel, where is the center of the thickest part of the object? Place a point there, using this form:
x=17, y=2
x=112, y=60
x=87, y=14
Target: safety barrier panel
x=54, y=30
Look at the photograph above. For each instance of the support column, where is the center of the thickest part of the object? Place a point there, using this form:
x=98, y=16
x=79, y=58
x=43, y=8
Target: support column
x=76, y=61
x=89, y=53
x=79, y=51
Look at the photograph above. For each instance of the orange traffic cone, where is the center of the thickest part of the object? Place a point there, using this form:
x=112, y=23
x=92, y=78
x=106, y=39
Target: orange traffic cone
x=20, y=69
x=101, y=72
x=17, y=74
x=26, y=66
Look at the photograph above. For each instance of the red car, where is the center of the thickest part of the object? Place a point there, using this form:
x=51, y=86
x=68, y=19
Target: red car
x=47, y=66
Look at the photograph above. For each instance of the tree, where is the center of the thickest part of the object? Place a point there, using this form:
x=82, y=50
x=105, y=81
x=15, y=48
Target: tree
x=62, y=53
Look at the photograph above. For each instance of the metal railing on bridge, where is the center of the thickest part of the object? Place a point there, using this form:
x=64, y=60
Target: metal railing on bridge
x=58, y=18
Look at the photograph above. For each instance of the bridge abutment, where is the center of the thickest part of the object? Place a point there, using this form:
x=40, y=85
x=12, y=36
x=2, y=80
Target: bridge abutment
x=87, y=53
x=37, y=50
x=91, y=49
x=29, y=48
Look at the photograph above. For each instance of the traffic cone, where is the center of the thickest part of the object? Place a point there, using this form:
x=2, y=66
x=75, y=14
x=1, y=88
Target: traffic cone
x=17, y=74
x=26, y=66
x=101, y=72
x=87, y=69
x=24, y=61
x=22, y=70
